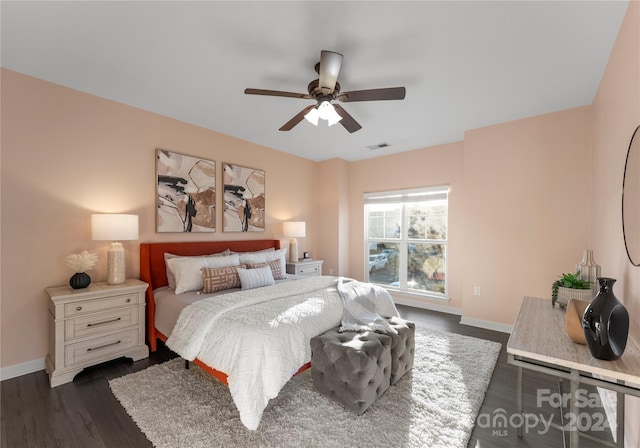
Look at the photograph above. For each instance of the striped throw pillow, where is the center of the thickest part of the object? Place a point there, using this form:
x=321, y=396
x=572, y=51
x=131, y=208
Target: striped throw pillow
x=255, y=278
x=275, y=266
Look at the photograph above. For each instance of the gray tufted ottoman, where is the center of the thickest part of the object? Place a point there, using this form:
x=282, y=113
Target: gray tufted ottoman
x=403, y=347
x=351, y=368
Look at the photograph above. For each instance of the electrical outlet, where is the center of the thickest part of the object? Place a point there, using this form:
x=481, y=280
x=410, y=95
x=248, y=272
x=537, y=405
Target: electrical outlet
x=477, y=291
x=330, y=271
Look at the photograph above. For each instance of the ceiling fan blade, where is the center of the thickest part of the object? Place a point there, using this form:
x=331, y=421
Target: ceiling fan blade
x=390, y=93
x=349, y=123
x=330, y=63
x=296, y=119
x=303, y=96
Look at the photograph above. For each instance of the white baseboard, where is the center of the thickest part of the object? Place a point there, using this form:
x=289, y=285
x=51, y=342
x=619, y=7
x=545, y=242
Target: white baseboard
x=487, y=324
x=416, y=303
x=420, y=303
x=21, y=369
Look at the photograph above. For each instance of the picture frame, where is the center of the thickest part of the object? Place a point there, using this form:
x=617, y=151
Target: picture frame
x=244, y=198
x=185, y=193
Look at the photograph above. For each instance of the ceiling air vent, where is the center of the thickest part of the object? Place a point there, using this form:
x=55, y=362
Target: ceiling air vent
x=378, y=146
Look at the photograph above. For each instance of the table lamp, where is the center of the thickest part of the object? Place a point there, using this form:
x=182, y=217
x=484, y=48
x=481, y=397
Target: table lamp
x=116, y=228
x=294, y=229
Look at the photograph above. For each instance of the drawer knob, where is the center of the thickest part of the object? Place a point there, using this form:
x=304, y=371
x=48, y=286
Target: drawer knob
x=128, y=300
x=78, y=308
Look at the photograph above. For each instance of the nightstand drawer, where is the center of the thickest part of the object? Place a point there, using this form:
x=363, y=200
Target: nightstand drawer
x=97, y=323
x=99, y=349
x=308, y=270
x=305, y=268
x=91, y=306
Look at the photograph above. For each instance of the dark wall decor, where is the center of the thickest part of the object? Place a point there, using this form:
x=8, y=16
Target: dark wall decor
x=186, y=193
x=244, y=199
x=631, y=200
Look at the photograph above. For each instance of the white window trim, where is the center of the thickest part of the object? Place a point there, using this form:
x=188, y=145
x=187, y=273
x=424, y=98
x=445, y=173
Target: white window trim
x=400, y=196
x=404, y=196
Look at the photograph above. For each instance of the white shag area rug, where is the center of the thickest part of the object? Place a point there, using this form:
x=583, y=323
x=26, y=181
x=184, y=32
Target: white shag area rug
x=434, y=405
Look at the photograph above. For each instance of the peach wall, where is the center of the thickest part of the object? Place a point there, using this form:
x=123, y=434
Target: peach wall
x=65, y=155
x=616, y=115
x=331, y=204
x=527, y=209
x=438, y=165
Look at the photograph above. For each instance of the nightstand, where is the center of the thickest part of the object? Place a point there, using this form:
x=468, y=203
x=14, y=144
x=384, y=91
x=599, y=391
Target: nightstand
x=305, y=268
x=93, y=325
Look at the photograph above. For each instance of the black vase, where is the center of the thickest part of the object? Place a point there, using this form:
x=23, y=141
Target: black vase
x=79, y=280
x=606, y=323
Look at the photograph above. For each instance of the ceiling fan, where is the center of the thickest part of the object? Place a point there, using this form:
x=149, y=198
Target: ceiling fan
x=325, y=90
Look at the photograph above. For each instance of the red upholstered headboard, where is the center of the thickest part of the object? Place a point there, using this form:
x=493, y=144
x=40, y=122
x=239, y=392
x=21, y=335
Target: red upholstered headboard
x=154, y=272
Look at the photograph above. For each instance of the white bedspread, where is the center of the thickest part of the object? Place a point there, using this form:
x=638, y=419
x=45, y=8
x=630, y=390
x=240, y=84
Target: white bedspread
x=263, y=342
x=259, y=337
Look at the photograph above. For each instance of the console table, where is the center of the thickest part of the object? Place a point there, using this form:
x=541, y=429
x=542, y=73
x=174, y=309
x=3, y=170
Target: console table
x=539, y=342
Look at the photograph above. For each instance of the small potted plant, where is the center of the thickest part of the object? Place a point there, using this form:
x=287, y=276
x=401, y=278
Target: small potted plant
x=81, y=263
x=570, y=286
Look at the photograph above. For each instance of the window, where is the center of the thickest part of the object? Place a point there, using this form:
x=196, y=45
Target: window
x=406, y=239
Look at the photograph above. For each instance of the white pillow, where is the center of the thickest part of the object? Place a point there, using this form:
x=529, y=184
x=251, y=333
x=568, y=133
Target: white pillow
x=187, y=270
x=171, y=279
x=255, y=278
x=269, y=249
x=265, y=257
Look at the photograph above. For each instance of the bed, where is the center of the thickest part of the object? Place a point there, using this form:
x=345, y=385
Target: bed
x=252, y=340
x=153, y=269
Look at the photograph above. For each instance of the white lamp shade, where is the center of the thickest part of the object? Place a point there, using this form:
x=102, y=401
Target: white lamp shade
x=312, y=116
x=326, y=111
x=294, y=229
x=114, y=227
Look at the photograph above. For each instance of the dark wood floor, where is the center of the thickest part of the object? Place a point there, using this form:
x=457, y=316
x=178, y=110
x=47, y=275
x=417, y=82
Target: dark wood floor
x=85, y=414
x=500, y=398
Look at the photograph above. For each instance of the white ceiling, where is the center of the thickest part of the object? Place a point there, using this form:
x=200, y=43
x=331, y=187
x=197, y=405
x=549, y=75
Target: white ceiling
x=464, y=64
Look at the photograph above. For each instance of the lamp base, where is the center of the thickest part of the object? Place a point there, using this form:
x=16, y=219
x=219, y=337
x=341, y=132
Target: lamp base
x=293, y=250
x=116, y=265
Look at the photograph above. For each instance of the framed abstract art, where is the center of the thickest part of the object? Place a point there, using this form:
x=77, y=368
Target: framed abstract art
x=186, y=193
x=244, y=199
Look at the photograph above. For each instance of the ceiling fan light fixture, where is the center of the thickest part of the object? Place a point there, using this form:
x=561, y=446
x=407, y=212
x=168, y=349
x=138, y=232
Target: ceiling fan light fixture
x=325, y=90
x=312, y=116
x=327, y=112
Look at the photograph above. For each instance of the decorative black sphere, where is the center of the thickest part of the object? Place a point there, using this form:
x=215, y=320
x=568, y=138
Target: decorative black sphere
x=79, y=280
